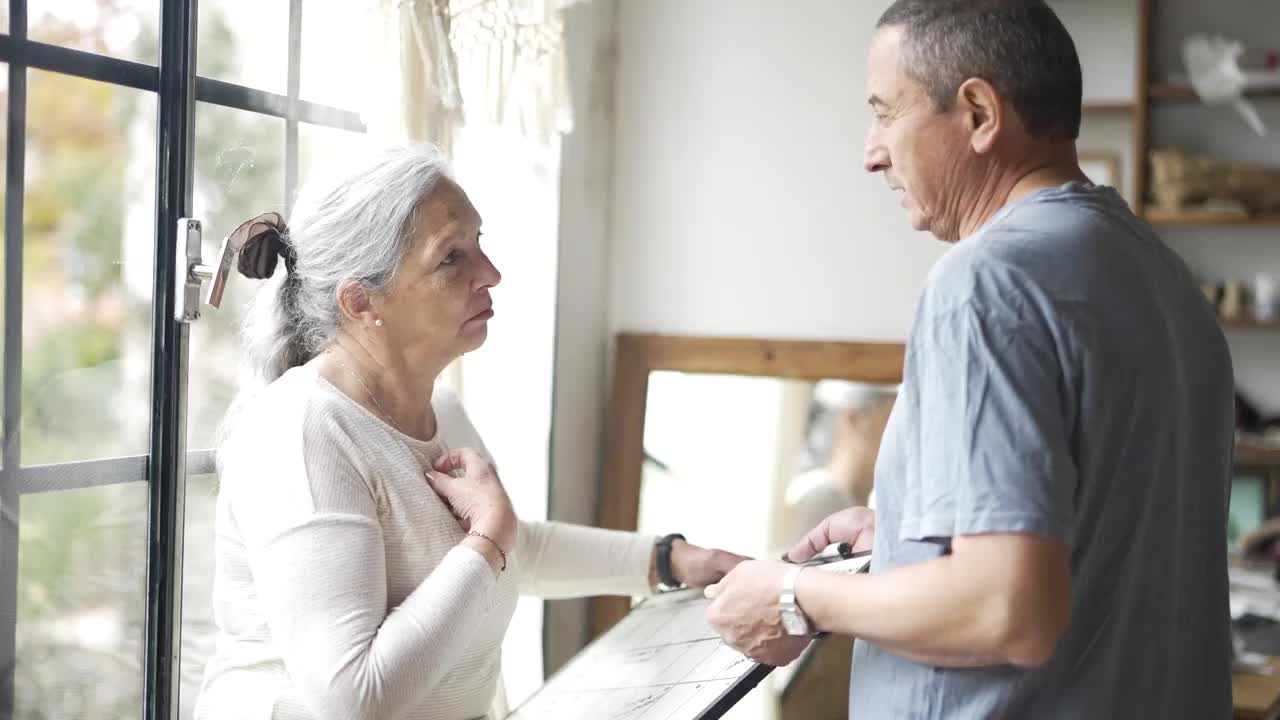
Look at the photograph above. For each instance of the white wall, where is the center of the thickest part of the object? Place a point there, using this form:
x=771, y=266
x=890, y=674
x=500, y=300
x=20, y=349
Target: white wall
x=1105, y=32
x=740, y=206
x=740, y=202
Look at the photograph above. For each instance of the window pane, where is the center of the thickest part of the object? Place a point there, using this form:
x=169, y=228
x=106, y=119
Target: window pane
x=81, y=603
x=126, y=29
x=325, y=151
x=245, y=42
x=239, y=173
x=87, y=269
x=336, y=79
x=198, y=631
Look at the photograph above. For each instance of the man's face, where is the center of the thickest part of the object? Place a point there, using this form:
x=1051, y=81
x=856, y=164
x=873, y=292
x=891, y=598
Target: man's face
x=921, y=151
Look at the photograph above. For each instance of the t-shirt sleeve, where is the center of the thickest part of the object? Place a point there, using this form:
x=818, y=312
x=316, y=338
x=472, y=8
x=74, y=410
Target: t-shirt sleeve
x=995, y=448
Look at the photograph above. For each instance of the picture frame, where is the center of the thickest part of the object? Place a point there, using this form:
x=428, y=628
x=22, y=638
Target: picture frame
x=1102, y=168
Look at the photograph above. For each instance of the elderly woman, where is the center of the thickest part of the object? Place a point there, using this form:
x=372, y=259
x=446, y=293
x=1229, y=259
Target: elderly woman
x=368, y=558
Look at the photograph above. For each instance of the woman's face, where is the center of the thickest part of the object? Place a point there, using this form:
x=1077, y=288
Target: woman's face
x=438, y=305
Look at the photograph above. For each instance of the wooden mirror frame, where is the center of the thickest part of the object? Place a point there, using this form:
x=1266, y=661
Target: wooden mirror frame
x=637, y=355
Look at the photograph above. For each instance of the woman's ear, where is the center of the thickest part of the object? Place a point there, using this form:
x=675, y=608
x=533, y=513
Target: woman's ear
x=356, y=304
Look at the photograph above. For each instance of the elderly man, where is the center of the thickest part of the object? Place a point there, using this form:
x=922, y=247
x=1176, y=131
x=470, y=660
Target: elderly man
x=1049, y=539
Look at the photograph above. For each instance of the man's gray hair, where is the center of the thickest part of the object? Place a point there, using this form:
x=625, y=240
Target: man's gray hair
x=354, y=230
x=1019, y=46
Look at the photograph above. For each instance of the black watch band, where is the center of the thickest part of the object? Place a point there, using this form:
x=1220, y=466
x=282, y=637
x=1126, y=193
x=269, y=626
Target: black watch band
x=665, y=576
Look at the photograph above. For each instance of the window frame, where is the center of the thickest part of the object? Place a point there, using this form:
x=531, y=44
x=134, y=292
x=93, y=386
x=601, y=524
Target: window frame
x=168, y=462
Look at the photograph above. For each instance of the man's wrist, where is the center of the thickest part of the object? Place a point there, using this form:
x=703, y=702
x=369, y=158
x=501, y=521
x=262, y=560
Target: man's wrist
x=794, y=619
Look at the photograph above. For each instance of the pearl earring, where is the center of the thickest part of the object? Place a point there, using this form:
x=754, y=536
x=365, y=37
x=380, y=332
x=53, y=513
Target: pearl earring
x=378, y=322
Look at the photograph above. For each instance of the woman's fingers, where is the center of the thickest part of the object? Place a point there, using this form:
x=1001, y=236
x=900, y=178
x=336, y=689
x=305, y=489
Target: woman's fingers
x=440, y=482
x=469, y=460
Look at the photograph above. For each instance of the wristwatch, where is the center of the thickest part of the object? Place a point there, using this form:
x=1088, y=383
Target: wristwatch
x=793, y=618
x=666, y=578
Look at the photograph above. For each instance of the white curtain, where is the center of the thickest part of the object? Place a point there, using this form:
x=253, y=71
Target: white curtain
x=439, y=65
x=486, y=81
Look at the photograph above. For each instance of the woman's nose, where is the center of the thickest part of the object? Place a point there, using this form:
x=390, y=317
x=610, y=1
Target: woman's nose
x=489, y=274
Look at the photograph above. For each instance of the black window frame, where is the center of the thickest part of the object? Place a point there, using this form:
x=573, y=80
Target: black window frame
x=168, y=462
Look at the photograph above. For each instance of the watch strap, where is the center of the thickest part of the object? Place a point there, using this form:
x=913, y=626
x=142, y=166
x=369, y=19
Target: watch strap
x=665, y=575
x=787, y=604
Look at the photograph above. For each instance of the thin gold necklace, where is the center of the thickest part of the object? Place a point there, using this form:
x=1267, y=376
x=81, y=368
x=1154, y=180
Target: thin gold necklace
x=438, y=438
x=368, y=392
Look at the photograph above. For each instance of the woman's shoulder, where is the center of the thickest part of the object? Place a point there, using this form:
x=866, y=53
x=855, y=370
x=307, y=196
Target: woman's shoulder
x=297, y=407
x=295, y=447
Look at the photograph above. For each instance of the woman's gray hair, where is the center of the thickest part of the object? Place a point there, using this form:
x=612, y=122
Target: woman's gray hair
x=354, y=230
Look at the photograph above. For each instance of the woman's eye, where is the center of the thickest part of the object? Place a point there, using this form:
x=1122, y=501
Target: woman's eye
x=452, y=258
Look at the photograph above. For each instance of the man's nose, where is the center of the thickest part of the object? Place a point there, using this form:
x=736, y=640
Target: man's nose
x=875, y=158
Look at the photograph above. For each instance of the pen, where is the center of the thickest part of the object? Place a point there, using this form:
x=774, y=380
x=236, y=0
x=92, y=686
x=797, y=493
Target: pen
x=831, y=553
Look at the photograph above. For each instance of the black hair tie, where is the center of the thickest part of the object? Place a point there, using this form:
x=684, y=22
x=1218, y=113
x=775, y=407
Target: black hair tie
x=261, y=243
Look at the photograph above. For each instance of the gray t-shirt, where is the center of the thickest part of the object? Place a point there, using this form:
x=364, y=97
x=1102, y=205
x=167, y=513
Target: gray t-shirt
x=1065, y=378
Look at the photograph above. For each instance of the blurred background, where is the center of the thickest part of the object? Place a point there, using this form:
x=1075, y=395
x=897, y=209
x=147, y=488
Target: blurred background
x=679, y=167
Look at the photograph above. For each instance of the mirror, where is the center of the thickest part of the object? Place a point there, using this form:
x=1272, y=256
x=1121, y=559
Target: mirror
x=745, y=444
x=776, y=455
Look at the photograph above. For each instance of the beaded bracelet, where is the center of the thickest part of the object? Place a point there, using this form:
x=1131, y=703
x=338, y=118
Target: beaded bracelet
x=503, y=553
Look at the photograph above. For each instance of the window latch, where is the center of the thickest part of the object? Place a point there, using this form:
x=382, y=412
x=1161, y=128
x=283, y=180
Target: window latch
x=193, y=273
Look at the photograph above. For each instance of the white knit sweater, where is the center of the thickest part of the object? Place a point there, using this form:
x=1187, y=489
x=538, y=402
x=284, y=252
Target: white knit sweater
x=340, y=590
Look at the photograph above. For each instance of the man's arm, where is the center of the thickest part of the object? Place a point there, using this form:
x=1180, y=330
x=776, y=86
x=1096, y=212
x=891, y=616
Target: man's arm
x=996, y=599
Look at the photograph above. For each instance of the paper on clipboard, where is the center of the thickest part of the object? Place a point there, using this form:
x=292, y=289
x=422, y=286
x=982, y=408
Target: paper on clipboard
x=660, y=662
x=663, y=661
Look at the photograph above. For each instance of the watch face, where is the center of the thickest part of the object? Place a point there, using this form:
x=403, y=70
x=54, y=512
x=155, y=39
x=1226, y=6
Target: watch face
x=794, y=623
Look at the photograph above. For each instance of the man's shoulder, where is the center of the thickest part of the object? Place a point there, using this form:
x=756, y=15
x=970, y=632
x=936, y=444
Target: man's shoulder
x=1053, y=247
x=990, y=276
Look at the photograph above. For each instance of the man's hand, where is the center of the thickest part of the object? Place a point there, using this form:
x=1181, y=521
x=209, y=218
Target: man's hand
x=744, y=610
x=855, y=525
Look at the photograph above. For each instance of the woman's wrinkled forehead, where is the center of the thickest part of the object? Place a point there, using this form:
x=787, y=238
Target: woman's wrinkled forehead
x=445, y=210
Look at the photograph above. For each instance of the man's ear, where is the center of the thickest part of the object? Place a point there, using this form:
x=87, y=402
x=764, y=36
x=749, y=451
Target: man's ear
x=983, y=113
x=356, y=304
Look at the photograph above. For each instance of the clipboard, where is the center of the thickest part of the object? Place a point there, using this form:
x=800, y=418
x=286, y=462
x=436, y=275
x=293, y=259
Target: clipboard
x=660, y=662
x=663, y=661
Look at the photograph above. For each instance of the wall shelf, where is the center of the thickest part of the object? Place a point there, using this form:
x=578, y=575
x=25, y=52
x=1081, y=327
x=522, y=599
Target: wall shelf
x=1109, y=106
x=1248, y=324
x=1254, y=455
x=1184, y=91
x=1191, y=218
